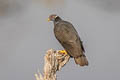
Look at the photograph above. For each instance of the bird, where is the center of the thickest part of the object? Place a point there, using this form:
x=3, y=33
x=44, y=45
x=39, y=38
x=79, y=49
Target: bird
x=69, y=38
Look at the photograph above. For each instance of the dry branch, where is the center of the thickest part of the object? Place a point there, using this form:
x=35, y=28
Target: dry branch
x=54, y=61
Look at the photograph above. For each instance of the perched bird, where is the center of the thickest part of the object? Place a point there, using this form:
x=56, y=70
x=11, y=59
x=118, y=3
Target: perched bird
x=68, y=37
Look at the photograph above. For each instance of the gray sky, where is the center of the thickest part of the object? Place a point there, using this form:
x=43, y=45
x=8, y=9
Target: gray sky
x=25, y=35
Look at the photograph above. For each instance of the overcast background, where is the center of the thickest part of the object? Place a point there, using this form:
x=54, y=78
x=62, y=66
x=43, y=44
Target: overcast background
x=25, y=35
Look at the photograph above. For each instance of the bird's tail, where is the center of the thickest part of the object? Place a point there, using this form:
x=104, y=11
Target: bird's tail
x=82, y=60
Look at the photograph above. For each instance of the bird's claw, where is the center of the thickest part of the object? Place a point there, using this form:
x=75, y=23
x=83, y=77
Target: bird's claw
x=63, y=52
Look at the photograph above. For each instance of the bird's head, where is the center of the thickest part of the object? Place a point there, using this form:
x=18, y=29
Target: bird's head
x=52, y=17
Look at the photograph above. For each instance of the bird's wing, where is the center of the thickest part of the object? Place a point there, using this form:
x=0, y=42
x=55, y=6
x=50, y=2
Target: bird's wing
x=69, y=39
x=82, y=45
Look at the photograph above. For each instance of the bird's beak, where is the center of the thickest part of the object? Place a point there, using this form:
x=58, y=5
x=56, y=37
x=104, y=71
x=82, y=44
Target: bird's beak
x=48, y=19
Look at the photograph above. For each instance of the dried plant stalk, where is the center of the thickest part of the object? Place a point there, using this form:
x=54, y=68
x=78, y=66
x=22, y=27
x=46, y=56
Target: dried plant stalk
x=54, y=61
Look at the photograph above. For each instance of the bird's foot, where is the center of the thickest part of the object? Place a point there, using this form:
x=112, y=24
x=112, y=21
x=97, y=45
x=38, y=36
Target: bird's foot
x=63, y=52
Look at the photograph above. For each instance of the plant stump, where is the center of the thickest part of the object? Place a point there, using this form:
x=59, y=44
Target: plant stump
x=54, y=61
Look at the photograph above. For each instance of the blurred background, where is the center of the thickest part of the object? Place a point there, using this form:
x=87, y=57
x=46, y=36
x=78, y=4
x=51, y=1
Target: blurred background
x=25, y=35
